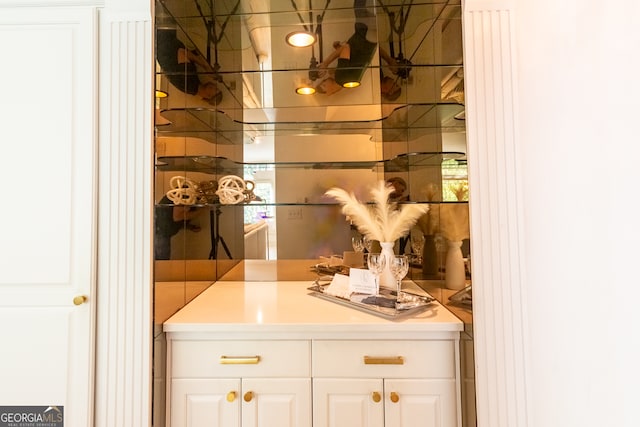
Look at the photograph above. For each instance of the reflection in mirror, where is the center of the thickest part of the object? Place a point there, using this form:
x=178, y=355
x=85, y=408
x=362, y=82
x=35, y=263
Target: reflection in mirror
x=407, y=59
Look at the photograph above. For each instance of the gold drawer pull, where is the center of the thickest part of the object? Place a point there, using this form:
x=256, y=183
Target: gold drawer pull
x=239, y=360
x=375, y=396
x=231, y=396
x=394, y=397
x=398, y=360
x=248, y=396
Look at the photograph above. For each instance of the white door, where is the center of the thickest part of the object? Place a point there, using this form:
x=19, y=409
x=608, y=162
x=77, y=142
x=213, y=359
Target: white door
x=281, y=402
x=348, y=402
x=47, y=246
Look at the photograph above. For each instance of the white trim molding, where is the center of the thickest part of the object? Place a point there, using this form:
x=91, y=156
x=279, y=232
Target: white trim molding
x=499, y=309
x=124, y=340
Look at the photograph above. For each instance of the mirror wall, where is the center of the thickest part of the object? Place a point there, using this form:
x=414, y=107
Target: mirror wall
x=406, y=119
x=227, y=106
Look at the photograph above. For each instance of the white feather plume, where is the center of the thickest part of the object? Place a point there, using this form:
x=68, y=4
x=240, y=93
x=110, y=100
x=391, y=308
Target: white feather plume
x=383, y=221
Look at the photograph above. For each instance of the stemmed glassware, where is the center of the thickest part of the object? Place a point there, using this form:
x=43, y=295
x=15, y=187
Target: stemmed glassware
x=417, y=245
x=376, y=264
x=357, y=243
x=399, y=267
x=367, y=243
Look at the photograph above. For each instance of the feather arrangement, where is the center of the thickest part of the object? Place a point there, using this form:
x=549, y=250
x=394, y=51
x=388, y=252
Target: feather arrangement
x=428, y=223
x=449, y=219
x=383, y=221
x=454, y=218
x=454, y=221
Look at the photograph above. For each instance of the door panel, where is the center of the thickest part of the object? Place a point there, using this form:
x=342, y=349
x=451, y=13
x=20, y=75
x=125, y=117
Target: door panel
x=420, y=403
x=205, y=402
x=282, y=402
x=47, y=250
x=348, y=402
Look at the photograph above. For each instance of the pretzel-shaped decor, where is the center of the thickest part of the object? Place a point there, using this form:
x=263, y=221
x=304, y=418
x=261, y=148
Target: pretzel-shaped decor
x=183, y=191
x=233, y=190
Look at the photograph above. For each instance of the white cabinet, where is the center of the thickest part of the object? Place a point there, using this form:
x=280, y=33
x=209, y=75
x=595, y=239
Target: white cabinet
x=246, y=402
x=384, y=383
x=349, y=402
x=339, y=402
x=205, y=402
x=284, y=402
x=240, y=383
x=424, y=403
x=268, y=354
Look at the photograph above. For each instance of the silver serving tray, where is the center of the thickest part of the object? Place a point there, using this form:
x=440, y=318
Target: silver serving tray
x=382, y=305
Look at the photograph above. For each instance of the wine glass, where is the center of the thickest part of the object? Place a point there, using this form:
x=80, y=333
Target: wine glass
x=357, y=243
x=376, y=264
x=367, y=243
x=399, y=267
x=417, y=245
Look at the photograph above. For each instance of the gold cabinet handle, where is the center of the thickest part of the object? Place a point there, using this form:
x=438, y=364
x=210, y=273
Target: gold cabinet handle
x=80, y=299
x=248, y=396
x=394, y=397
x=231, y=396
x=369, y=360
x=375, y=396
x=239, y=360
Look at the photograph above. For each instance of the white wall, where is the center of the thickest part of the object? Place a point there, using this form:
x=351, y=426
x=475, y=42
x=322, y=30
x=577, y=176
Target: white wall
x=578, y=65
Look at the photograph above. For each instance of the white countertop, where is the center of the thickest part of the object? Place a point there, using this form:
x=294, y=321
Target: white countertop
x=285, y=309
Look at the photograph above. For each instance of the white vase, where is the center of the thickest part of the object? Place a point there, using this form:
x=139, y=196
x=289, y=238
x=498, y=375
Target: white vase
x=454, y=276
x=386, y=278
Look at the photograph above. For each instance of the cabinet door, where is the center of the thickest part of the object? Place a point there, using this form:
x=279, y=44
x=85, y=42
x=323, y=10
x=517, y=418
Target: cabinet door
x=420, y=403
x=348, y=402
x=205, y=402
x=281, y=402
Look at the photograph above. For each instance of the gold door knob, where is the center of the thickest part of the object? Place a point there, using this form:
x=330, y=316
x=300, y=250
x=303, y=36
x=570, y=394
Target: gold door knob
x=248, y=396
x=80, y=299
x=231, y=396
x=394, y=397
x=375, y=396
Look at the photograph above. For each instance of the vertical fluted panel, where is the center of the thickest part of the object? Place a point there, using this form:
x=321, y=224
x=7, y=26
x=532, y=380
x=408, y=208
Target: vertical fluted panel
x=123, y=374
x=499, y=309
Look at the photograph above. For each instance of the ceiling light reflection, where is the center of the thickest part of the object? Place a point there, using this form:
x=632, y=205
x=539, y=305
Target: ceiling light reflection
x=305, y=90
x=300, y=39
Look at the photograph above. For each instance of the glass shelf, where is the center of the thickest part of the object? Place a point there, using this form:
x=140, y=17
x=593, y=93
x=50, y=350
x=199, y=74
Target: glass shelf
x=328, y=204
x=222, y=165
x=392, y=123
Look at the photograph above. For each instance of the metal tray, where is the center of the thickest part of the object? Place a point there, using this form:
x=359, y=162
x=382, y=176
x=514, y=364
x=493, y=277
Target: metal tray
x=383, y=304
